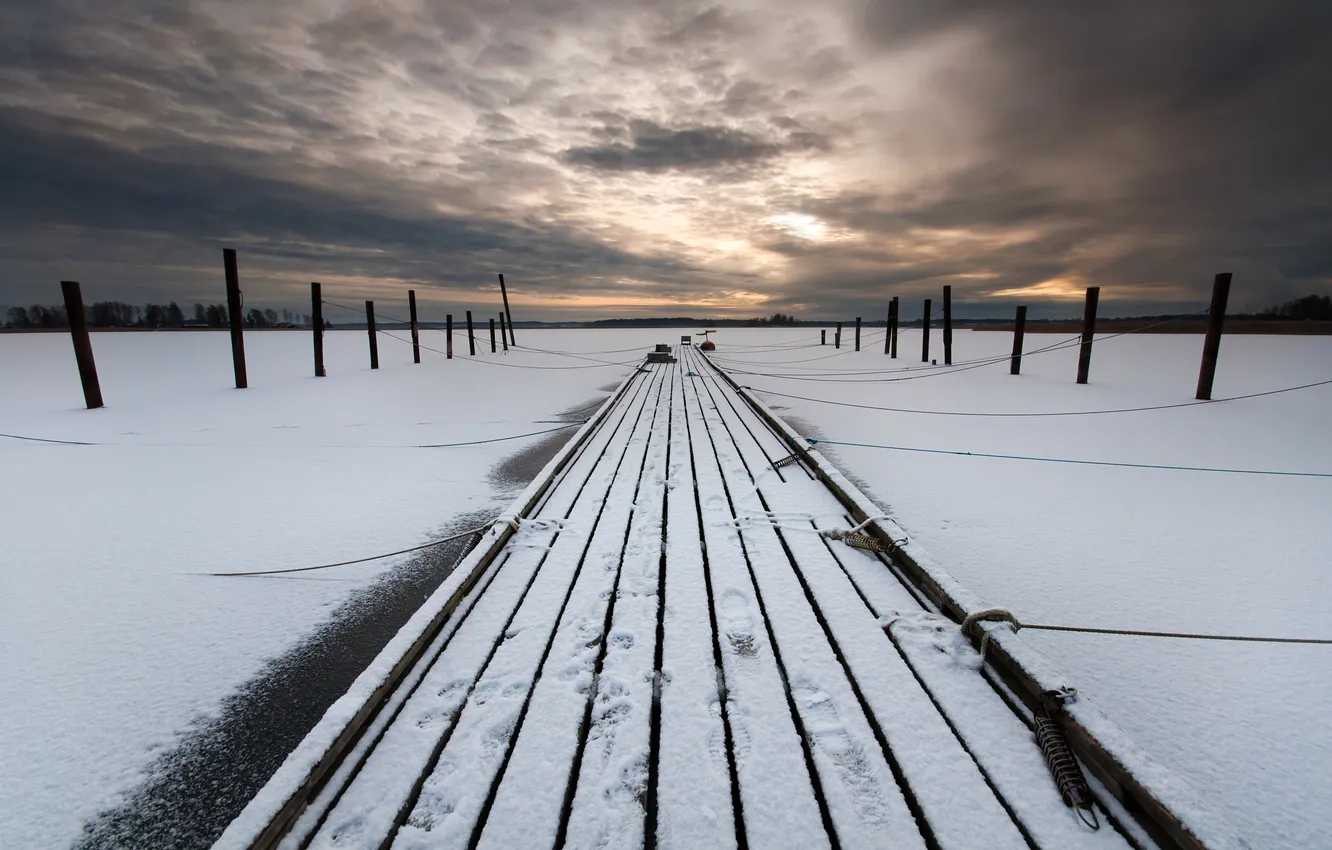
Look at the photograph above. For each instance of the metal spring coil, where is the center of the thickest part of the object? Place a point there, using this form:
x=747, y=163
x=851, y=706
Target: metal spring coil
x=786, y=461
x=1064, y=768
x=865, y=541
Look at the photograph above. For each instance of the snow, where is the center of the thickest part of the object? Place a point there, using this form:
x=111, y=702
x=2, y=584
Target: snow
x=1129, y=548
x=116, y=647
x=117, y=642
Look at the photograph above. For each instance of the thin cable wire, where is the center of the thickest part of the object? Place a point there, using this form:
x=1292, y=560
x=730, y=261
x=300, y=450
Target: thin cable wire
x=470, y=359
x=812, y=441
x=1184, y=635
x=362, y=313
x=931, y=368
x=1002, y=615
x=967, y=365
x=469, y=532
x=1195, y=403
x=301, y=445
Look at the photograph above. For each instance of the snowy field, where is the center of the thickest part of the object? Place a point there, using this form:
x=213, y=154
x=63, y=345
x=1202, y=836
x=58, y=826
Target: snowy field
x=117, y=643
x=1148, y=549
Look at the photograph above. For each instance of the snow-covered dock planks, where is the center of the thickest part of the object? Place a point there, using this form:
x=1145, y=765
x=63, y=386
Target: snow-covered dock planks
x=667, y=654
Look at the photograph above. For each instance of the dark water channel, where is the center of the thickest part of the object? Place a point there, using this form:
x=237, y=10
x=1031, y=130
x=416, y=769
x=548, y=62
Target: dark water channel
x=193, y=791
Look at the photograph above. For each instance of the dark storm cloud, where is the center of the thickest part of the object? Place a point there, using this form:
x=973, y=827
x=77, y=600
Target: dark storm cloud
x=56, y=178
x=653, y=147
x=1194, y=135
x=1119, y=143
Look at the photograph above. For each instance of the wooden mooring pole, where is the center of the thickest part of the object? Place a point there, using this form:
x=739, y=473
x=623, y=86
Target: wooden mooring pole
x=492, y=336
x=234, y=314
x=504, y=291
x=317, y=327
x=925, y=335
x=896, y=308
x=1088, y=332
x=948, y=326
x=1019, y=329
x=837, y=337
x=504, y=333
x=823, y=336
x=471, y=338
x=1216, y=319
x=370, y=330
x=448, y=336
x=416, y=331
x=857, y=333
x=83, y=353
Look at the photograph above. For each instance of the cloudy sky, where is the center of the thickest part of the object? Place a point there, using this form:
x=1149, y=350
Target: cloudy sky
x=646, y=157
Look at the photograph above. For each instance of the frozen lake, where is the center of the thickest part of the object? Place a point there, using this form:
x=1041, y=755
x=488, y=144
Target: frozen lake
x=119, y=644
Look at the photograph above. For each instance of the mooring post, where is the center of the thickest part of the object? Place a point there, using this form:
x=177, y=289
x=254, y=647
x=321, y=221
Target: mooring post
x=1088, y=331
x=448, y=337
x=471, y=339
x=504, y=333
x=1019, y=328
x=837, y=337
x=370, y=329
x=896, y=309
x=492, y=336
x=925, y=335
x=234, y=313
x=888, y=329
x=317, y=327
x=1216, y=319
x=823, y=336
x=83, y=353
x=857, y=333
x=504, y=291
x=416, y=332
x=948, y=326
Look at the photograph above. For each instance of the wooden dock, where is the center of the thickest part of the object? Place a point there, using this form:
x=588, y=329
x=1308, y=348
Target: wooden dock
x=660, y=647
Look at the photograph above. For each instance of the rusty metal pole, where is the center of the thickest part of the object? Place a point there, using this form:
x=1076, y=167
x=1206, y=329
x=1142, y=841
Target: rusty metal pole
x=948, y=326
x=317, y=327
x=83, y=353
x=416, y=332
x=370, y=329
x=1019, y=330
x=925, y=340
x=504, y=291
x=1216, y=319
x=896, y=308
x=1088, y=333
x=234, y=304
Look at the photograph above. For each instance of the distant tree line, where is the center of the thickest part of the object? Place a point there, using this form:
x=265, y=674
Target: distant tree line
x=776, y=319
x=1308, y=307
x=118, y=314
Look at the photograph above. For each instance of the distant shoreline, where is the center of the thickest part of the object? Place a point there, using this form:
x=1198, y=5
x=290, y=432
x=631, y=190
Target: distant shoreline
x=1234, y=325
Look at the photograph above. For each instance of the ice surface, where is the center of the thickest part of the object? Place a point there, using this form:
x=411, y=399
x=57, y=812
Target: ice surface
x=1149, y=549
x=116, y=642
x=115, y=645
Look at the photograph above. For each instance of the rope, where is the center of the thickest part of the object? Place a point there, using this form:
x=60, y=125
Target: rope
x=813, y=441
x=1194, y=403
x=970, y=628
x=467, y=533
